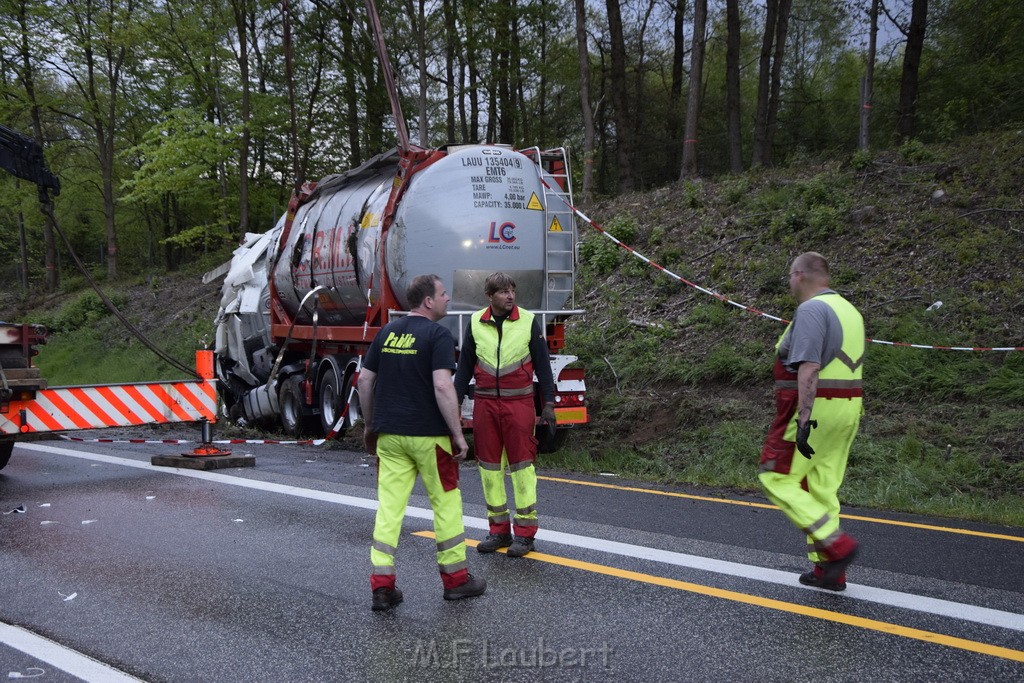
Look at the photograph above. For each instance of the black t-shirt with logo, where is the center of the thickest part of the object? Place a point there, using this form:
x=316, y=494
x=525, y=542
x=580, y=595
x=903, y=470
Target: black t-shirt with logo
x=404, y=354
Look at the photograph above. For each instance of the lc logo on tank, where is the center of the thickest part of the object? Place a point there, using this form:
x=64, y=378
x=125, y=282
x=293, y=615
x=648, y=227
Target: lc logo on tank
x=502, y=233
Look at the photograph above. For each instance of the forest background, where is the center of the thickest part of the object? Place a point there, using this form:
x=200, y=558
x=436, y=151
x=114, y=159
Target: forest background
x=720, y=136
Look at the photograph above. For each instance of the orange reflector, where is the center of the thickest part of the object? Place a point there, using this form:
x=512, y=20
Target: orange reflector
x=571, y=416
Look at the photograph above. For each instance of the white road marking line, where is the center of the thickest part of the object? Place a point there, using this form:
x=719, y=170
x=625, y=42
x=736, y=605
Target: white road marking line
x=917, y=603
x=63, y=658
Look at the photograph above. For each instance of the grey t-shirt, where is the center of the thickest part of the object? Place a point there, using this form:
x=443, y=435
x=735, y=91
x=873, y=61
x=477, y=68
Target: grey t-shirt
x=816, y=335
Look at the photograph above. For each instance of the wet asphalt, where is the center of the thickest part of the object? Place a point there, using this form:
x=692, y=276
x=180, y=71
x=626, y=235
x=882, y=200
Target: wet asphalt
x=176, y=578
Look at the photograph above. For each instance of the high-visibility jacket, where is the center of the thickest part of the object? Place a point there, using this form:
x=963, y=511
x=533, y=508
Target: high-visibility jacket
x=839, y=379
x=504, y=367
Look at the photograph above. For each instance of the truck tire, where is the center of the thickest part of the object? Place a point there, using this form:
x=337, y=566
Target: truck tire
x=331, y=400
x=550, y=444
x=6, y=448
x=295, y=418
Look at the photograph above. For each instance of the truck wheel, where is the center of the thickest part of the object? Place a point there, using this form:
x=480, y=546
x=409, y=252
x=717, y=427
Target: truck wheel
x=6, y=448
x=331, y=401
x=294, y=417
x=551, y=444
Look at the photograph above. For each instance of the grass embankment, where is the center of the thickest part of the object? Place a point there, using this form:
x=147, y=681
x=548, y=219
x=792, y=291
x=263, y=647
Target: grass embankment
x=679, y=383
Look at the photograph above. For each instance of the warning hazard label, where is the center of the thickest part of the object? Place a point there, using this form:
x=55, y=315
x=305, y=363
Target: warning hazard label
x=555, y=225
x=535, y=203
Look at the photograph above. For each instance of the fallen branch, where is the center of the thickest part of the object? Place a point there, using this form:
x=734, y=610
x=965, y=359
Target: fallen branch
x=617, y=389
x=723, y=244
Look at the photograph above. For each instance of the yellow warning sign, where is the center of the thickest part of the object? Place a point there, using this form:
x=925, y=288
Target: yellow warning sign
x=555, y=225
x=535, y=203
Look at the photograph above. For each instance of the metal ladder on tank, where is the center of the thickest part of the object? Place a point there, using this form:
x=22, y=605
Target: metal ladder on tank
x=560, y=243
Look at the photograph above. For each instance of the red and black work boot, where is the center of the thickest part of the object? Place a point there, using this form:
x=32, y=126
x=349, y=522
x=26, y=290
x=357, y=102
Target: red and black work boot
x=473, y=587
x=493, y=542
x=385, y=598
x=815, y=578
x=832, y=570
x=520, y=546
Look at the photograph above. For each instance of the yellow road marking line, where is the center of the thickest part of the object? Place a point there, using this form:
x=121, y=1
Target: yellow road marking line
x=780, y=605
x=768, y=506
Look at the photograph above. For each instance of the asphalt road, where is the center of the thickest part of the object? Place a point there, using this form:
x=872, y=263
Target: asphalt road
x=117, y=570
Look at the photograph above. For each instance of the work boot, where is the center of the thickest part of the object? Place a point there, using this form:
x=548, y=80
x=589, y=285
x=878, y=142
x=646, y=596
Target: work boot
x=520, y=546
x=473, y=587
x=385, y=598
x=493, y=542
x=815, y=578
x=832, y=571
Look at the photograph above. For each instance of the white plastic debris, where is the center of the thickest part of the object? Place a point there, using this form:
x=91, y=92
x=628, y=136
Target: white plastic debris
x=46, y=522
x=30, y=672
x=89, y=521
x=238, y=520
x=67, y=597
x=935, y=306
x=44, y=505
x=19, y=510
x=608, y=474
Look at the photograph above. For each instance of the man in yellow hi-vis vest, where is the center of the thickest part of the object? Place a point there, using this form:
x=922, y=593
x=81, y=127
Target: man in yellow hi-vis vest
x=502, y=349
x=817, y=373
x=413, y=426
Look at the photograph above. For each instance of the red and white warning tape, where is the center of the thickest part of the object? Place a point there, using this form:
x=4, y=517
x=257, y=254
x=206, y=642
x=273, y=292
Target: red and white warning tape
x=276, y=442
x=751, y=309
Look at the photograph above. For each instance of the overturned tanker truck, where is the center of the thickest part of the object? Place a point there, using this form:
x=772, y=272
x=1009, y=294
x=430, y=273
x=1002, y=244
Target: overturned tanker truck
x=301, y=303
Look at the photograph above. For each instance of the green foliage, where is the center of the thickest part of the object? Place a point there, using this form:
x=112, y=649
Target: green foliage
x=603, y=255
x=915, y=152
x=81, y=312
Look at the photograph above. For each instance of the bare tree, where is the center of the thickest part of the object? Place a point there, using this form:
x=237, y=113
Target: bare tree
x=28, y=82
x=773, y=46
x=693, y=99
x=674, y=120
x=620, y=99
x=906, y=123
x=587, y=111
x=241, y=25
x=732, y=85
x=868, y=83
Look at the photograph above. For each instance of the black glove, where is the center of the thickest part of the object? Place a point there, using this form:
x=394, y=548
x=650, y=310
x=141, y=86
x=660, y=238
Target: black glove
x=547, y=416
x=803, y=432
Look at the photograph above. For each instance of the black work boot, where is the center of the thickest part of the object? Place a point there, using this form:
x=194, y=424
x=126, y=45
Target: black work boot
x=493, y=542
x=473, y=587
x=385, y=598
x=816, y=578
x=520, y=546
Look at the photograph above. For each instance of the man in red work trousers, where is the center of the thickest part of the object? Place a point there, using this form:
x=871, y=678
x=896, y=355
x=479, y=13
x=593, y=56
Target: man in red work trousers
x=502, y=349
x=817, y=372
x=413, y=426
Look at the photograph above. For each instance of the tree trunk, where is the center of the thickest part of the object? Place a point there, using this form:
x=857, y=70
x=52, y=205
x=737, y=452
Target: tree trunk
x=868, y=84
x=451, y=48
x=675, y=98
x=418, y=15
x=732, y=85
x=757, y=157
x=693, y=99
x=297, y=175
x=781, y=29
x=52, y=278
x=587, y=111
x=243, y=153
x=906, y=124
x=620, y=99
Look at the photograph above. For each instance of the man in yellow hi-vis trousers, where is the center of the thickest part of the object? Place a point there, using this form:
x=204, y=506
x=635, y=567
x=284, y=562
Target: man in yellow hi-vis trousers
x=817, y=373
x=413, y=425
x=502, y=349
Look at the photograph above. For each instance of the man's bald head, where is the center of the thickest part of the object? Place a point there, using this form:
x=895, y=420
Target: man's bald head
x=808, y=275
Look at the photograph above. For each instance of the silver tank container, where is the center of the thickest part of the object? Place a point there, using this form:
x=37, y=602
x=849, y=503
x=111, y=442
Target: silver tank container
x=477, y=210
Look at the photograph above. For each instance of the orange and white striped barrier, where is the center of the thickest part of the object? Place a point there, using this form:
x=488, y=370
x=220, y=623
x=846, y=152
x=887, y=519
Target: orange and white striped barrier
x=115, y=405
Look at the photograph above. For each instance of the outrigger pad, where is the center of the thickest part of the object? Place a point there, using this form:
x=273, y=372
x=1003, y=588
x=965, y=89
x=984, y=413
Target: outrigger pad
x=209, y=462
